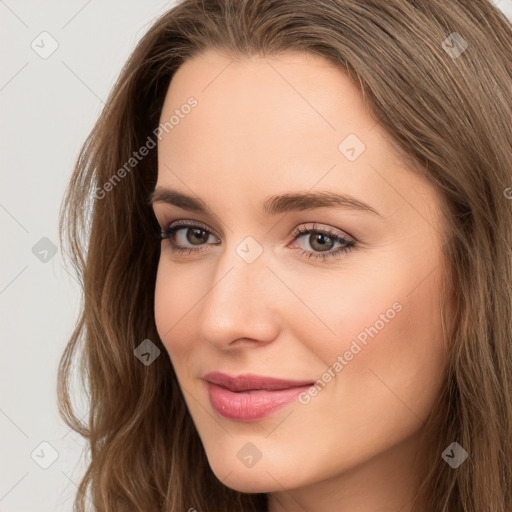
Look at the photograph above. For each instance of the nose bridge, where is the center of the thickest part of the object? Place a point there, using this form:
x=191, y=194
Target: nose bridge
x=235, y=305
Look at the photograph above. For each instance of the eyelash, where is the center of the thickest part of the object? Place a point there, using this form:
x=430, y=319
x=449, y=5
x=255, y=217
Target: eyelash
x=348, y=245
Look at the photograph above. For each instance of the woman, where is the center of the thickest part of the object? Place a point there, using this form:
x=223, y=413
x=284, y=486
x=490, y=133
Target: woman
x=296, y=263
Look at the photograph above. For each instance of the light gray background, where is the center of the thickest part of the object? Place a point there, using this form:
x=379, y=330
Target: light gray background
x=48, y=106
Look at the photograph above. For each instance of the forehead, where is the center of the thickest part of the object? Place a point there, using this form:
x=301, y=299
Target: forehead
x=272, y=102
x=263, y=126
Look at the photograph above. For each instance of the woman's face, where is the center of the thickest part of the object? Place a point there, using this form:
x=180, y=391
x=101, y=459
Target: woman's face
x=264, y=144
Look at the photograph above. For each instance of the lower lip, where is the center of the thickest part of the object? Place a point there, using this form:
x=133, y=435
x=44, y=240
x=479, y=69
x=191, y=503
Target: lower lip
x=251, y=405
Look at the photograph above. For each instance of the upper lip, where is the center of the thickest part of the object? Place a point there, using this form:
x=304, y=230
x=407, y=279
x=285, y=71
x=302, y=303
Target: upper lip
x=250, y=381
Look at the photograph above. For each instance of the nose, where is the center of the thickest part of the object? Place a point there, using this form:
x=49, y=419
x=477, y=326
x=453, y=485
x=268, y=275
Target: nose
x=236, y=310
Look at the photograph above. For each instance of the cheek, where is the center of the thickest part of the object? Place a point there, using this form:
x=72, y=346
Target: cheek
x=380, y=321
x=388, y=353
x=392, y=354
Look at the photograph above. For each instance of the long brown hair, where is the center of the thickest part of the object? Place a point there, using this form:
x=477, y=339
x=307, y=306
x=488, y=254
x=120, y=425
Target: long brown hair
x=438, y=76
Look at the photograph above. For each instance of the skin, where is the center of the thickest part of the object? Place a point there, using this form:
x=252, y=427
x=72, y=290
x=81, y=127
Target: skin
x=266, y=126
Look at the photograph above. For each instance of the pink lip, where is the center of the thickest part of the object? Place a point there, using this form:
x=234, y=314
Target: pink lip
x=250, y=397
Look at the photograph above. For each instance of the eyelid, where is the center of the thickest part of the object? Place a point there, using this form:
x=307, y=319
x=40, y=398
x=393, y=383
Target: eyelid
x=189, y=223
x=163, y=212
x=325, y=228
x=301, y=229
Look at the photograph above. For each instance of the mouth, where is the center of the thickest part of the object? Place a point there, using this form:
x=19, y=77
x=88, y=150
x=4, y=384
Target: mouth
x=251, y=397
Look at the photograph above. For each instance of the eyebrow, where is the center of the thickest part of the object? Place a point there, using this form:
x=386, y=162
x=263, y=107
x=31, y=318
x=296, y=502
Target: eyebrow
x=273, y=205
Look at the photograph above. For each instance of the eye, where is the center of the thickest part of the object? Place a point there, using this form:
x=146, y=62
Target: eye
x=322, y=241
x=193, y=233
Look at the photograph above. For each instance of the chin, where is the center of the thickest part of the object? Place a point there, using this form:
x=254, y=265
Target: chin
x=251, y=480
x=249, y=483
